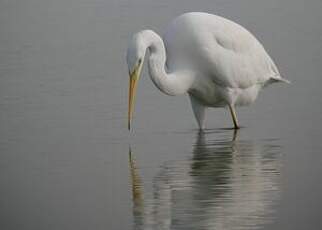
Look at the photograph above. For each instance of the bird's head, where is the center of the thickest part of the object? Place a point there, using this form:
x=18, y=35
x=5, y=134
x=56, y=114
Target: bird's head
x=135, y=57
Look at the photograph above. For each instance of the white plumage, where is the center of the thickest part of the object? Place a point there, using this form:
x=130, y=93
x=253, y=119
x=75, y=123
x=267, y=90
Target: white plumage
x=216, y=61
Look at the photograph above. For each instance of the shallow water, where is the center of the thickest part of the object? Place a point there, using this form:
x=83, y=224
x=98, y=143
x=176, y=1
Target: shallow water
x=67, y=160
x=225, y=183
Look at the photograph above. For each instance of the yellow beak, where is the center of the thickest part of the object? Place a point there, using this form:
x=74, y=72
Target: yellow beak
x=134, y=77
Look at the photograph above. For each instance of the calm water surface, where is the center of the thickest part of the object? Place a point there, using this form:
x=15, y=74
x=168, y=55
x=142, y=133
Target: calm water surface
x=225, y=183
x=67, y=160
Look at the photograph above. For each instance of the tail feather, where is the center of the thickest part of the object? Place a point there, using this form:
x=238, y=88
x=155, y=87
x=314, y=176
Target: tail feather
x=278, y=78
x=282, y=80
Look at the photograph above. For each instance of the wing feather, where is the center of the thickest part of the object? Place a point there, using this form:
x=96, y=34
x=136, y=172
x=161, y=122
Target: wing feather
x=221, y=49
x=235, y=58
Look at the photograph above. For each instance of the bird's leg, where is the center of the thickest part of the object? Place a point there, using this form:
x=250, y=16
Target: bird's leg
x=234, y=116
x=198, y=111
x=235, y=135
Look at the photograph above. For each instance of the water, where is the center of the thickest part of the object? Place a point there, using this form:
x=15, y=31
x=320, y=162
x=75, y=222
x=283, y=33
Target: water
x=67, y=160
x=224, y=183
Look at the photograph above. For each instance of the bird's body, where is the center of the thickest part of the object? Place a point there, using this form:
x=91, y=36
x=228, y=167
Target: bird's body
x=228, y=61
x=216, y=61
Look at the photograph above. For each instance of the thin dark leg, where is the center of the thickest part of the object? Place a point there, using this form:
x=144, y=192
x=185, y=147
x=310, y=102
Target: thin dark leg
x=234, y=116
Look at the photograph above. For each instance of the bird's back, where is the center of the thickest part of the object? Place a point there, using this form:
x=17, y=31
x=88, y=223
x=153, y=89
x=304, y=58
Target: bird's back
x=222, y=50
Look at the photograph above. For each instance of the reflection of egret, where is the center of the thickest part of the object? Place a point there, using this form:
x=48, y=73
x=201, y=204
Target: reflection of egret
x=240, y=178
x=216, y=61
x=137, y=196
x=136, y=181
x=227, y=184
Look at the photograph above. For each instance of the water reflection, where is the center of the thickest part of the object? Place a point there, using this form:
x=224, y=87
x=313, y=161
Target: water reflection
x=227, y=184
x=137, y=197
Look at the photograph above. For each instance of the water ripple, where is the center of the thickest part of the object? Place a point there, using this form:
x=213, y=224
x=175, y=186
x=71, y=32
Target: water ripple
x=225, y=184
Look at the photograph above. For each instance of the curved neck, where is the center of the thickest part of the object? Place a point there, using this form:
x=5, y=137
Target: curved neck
x=174, y=83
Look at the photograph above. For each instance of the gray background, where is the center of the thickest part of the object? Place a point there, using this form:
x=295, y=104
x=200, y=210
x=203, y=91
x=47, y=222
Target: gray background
x=64, y=142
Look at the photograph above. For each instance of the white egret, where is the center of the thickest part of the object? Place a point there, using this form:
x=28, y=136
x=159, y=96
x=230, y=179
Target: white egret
x=217, y=62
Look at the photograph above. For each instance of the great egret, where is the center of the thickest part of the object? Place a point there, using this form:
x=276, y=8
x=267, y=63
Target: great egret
x=216, y=61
